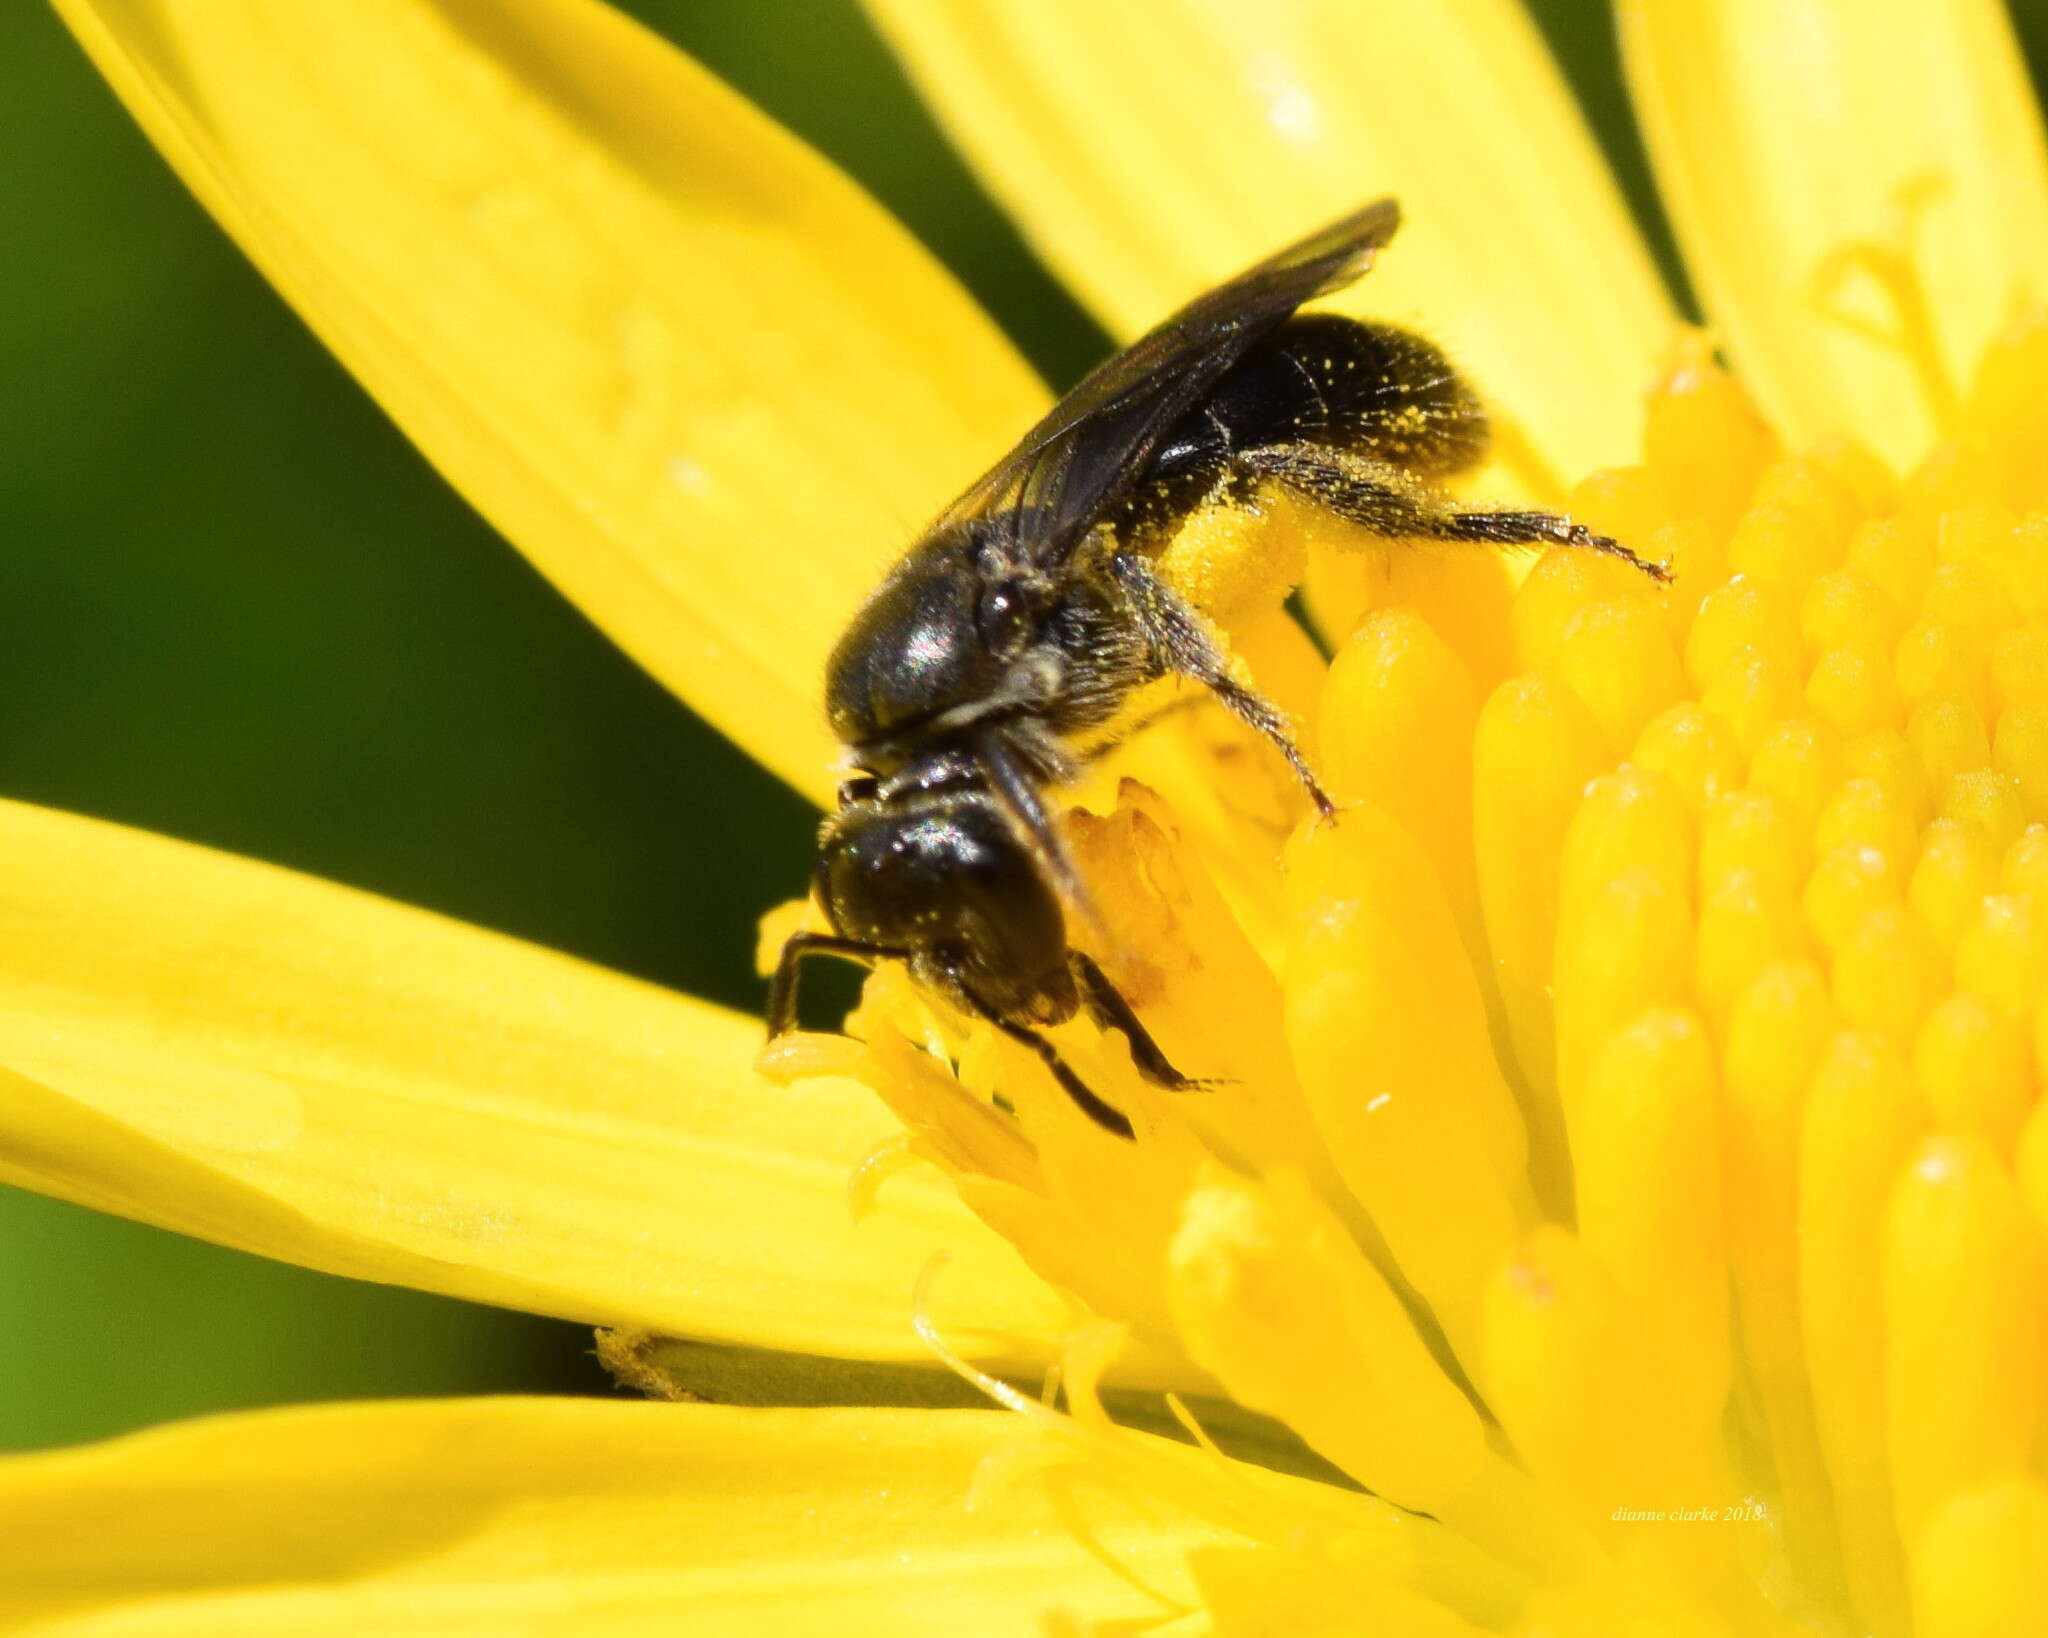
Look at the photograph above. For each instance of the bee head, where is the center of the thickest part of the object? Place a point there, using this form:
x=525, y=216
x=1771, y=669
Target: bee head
x=942, y=876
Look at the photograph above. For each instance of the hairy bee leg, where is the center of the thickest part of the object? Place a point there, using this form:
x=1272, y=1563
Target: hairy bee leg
x=782, y=987
x=1109, y=1010
x=1532, y=528
x=1182, y=644
x=1387, y=501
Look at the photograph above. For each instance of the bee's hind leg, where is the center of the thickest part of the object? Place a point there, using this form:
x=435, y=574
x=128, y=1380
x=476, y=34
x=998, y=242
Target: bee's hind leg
x=1387, y=501
x=1181, y=643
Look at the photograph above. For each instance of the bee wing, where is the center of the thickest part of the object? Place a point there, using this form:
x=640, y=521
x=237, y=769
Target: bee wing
x=1094, y=444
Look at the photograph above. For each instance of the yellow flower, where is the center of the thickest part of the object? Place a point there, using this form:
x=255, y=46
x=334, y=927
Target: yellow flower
x=1626, y=1160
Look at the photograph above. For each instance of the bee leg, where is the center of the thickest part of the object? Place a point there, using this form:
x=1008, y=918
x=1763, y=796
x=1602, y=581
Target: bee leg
x=1385, y=500
x=1111, y=1120
x=782, y=987
x=1182, y=644
x=1518, y=527
x=1105, y=1004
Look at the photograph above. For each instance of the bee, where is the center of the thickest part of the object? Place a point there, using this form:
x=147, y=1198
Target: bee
x=1029, y=612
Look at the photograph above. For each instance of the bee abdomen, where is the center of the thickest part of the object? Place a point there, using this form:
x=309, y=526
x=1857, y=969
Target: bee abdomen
x=1380, y=391
x=1366, y=388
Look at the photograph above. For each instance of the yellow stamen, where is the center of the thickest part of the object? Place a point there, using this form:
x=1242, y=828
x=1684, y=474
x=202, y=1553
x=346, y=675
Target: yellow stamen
x=1963, y=1316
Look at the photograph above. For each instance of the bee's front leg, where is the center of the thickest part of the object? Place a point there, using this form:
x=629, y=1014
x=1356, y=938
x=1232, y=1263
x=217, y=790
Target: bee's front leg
x=1105, y=1004
x=782, y=987
x=1181, y=643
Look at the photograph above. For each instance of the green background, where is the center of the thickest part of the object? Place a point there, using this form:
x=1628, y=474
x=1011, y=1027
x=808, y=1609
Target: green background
x=236, y=607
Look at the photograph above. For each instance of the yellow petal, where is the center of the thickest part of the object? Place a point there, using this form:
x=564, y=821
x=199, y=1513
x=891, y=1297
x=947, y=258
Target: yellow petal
x=306, y=1072
x=1150, y=150
x=1809, y=153
x=1272, y=1295
x=690, y=370
x=554, y=1516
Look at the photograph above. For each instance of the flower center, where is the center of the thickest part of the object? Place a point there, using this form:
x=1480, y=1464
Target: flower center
x=1622, y=1148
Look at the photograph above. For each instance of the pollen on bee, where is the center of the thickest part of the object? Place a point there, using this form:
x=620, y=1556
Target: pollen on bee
x=1234, y=562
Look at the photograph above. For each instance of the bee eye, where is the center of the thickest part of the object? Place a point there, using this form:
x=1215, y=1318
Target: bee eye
x=1004, y=617
x=857, y=789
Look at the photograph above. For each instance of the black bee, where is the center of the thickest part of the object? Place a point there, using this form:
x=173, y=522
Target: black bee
x=1029, y=612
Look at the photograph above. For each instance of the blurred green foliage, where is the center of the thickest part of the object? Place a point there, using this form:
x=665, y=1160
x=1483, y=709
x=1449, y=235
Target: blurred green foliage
x=236, y=607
